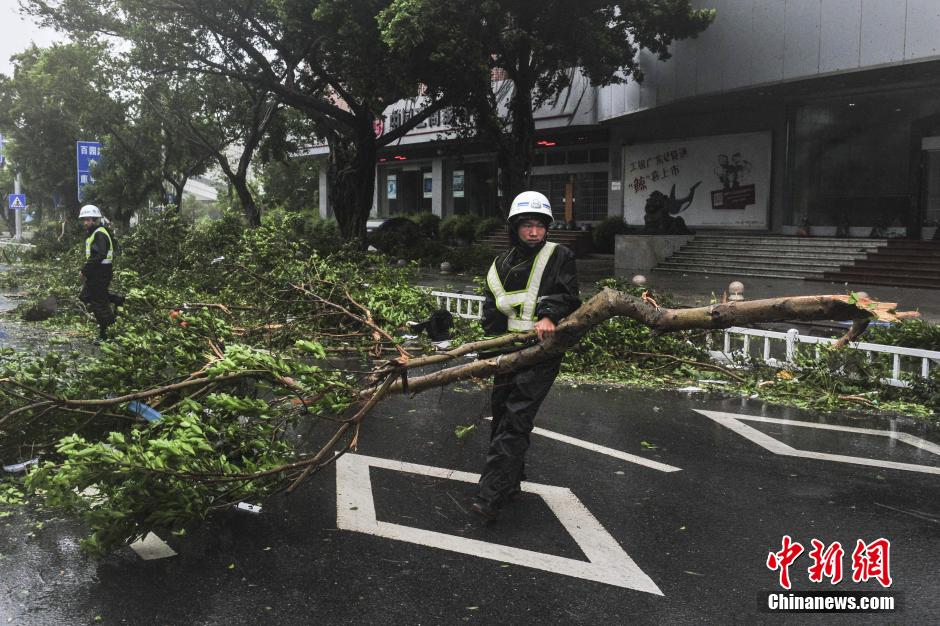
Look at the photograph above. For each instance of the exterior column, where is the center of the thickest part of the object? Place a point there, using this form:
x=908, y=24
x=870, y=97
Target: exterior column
x=374, y=212
x=615, y=182
x=437, y=187
x=324, y=194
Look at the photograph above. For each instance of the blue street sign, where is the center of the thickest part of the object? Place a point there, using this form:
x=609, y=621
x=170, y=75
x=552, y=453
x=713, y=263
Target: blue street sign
x=88, y=155
x=17, y=201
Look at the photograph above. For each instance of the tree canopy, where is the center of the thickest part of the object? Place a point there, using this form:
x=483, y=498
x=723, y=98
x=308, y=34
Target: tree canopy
x=325, y=58
x=463, y=49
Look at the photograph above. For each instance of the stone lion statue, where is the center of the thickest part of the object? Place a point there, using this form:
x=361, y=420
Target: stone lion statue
x=660, y=213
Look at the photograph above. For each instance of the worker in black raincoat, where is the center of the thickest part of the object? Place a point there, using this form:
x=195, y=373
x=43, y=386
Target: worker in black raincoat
x=98, y=270
x=532, y=286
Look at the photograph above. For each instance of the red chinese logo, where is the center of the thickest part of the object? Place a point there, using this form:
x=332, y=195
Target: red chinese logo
x=826, y=563
x=782, y=560
x=869, y=561
x=872, y=560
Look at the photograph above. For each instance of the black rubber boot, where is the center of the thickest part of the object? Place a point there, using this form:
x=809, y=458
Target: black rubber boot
x=485, y=510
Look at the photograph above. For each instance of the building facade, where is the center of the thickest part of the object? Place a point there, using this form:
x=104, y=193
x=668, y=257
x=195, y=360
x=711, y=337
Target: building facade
x=783, y=113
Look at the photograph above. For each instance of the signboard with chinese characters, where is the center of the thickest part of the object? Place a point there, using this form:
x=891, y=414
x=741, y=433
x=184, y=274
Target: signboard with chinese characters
x=404, y=111
x=428, y=185
x=457, y=184
x=391, y=186
x=88, y=154
x=721, y=180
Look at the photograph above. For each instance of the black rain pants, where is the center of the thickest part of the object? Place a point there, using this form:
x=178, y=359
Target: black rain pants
x=96, y=296
x=516, y=399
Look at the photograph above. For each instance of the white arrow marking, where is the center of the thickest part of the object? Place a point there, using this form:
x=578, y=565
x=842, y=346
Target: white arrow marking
x=617, y=454
x=733, y=421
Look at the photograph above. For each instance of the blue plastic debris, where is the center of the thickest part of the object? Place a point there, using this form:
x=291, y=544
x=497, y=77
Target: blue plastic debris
x=147, y=412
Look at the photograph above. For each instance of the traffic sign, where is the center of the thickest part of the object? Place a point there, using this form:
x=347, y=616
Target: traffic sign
x=88, y=154
x=17, y=201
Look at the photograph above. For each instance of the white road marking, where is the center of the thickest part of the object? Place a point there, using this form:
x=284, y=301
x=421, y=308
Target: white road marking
x=617, y=454
x=733, y=422
x=607, y=562
x=152, y=547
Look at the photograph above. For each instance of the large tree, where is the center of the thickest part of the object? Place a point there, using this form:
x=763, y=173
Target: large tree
x=57, y=96
x=217, y=119
x=325, y=58
x=290, y=182
x=458, y=48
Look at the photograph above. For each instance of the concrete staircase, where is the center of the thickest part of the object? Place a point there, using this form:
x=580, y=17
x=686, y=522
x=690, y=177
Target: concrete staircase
x=580, y=242
x=900, y=263
x=768, y=256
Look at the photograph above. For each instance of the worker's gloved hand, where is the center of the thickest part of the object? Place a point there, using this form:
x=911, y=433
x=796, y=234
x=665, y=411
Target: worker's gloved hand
x=544, y=328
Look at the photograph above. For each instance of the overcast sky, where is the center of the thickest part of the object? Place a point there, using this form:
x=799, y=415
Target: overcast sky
x=16, y=31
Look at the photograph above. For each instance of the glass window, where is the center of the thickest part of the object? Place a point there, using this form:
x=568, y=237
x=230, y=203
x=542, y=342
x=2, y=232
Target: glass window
x=555, y=157
x=589, y=192
x=578, y=156
x=600, y=155
x=855, y=158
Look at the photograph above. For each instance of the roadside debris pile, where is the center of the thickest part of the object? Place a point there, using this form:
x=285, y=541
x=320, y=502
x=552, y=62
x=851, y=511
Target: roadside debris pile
x=247, y=359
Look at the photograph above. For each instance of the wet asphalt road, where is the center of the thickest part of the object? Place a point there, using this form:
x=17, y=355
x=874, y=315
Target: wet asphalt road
x=700, y=535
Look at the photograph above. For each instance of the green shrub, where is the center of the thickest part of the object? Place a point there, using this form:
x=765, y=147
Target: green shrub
x=428, y=223
x=51, y=239
x=907, y=333
x=473, y=258
x=605, y=231
x=488, y=225
x=459, y=228
x=397, y=237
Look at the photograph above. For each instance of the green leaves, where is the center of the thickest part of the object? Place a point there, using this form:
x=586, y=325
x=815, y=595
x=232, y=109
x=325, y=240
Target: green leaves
x=463, y=431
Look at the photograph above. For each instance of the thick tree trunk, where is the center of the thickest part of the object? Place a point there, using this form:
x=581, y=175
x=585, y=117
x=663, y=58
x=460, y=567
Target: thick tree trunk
x=516, y=152
x=246, y=199
x=177, y=193
x=351, y=180
x=612, y=303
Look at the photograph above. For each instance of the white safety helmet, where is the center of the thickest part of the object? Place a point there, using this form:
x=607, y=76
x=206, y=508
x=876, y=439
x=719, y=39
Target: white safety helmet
x=531, y=203
x=89, y=210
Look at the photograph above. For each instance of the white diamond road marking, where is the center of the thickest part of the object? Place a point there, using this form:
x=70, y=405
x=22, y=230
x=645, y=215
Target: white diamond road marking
x=617, y=454
x=607, y=562
x=733, y=421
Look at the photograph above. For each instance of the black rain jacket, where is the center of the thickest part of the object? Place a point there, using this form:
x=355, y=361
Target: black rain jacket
x=558, y=295
x=99, y=251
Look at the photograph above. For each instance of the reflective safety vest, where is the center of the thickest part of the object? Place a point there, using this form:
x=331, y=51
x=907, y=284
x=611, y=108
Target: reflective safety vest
x=519, y=306
x=88, y=241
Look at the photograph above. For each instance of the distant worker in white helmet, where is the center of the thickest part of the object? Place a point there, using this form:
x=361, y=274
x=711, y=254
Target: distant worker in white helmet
x=531, y=286
x=98, y=270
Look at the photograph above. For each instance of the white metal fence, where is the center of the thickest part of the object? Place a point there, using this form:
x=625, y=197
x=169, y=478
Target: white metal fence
x=903, y=360
x=464, y=305
x=14, y=244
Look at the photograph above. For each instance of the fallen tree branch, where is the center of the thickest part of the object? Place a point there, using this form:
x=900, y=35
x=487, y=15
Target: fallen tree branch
x=711, y=366
x=612, y=303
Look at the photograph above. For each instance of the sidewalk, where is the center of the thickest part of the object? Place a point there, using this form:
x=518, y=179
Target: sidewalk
x=701, y=289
